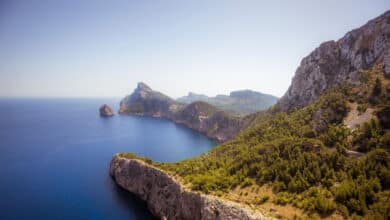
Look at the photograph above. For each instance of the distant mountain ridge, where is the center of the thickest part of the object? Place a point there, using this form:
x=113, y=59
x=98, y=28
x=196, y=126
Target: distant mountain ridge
x=241, y=102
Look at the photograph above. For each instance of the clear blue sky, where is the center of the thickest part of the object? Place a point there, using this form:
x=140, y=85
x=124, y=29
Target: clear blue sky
x=103, y=48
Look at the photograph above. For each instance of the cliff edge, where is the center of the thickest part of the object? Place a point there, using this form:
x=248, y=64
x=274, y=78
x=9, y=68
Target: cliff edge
x=168, y=199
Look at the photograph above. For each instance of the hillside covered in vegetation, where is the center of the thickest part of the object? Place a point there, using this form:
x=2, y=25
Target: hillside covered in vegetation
x=295, y=162
x=323, y=150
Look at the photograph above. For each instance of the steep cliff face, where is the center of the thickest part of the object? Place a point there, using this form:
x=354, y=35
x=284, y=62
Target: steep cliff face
x=168, y=199
x=334, y=62
x=200, y=116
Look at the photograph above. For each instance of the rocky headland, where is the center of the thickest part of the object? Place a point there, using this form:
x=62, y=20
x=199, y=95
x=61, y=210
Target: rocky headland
x=168, y=199
x=200, y=116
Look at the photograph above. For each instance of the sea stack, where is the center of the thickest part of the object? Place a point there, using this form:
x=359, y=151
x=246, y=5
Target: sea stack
x=106, y=111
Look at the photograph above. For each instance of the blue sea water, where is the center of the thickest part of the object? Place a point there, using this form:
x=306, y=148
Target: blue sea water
x=55, y=153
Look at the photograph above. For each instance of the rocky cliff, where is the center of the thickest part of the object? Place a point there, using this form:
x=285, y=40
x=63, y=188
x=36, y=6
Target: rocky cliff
x=200, y=116
x=335, y=62
x=168, y=199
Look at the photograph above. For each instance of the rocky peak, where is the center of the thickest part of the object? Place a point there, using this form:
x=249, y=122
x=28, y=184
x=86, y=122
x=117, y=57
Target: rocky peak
x=333, y=62
x=143, y=92
x=143, y=87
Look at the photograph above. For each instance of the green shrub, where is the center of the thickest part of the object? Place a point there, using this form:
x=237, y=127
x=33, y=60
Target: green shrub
x=264, y=199
x=383, y=114
x=369, y=136
x=282, y=198
x=247, y=182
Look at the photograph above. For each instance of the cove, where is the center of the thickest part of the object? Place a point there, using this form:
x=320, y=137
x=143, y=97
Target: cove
x=54, y=157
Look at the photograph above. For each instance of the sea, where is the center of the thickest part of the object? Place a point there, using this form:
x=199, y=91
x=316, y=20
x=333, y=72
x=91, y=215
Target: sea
x=55, y=155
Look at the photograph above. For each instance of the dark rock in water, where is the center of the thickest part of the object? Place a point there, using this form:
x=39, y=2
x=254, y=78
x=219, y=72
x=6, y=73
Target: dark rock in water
x=106, y=111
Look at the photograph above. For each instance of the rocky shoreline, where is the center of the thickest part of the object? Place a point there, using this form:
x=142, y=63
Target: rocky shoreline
x=168, y=199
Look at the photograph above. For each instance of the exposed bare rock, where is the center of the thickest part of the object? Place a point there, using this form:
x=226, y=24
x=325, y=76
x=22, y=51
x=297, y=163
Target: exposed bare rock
x=334, y=62
x=354, y=118
x=106, y=111
x=386, y=62
x=354, y=153
x=168, y=199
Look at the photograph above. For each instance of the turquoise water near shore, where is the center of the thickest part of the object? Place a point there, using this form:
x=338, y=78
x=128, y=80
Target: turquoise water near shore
x=55, y=153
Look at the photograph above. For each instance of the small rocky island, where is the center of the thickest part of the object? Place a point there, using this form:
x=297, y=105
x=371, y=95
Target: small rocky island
x=106, y=111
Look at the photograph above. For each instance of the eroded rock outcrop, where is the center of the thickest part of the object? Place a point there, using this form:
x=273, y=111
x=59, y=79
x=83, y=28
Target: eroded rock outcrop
x=168, y=199
x=106, y=111
x=334, y=62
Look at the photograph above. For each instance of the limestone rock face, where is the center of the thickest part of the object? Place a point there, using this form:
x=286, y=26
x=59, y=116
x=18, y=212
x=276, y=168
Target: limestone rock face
x=334, y=62
x=106, y=111
x=167, y=199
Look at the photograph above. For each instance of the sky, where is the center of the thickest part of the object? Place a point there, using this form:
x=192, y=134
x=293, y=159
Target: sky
x=102, y=48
